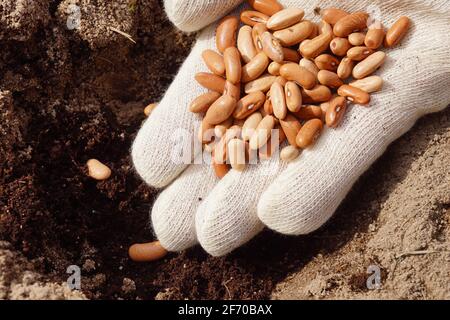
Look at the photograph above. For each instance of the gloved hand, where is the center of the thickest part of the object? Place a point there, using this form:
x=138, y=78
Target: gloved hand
x=298, y=198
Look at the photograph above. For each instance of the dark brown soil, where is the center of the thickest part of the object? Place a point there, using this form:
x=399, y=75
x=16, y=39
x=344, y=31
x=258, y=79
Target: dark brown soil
x=67, y=96
x=61, y=103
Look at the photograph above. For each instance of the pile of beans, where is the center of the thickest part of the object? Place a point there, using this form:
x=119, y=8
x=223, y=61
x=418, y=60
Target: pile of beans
x=282, y=72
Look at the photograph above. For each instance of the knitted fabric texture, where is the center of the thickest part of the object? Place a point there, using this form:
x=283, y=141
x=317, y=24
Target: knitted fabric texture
x=300, y=197
x=193, y=15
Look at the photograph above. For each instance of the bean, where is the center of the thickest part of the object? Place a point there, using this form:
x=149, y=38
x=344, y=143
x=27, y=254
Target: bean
x=263, y=84
x=262, y=133
x=274, y=68
x=324, y=107
x=293, y=72
x=214, y=62
x=250, y=125
x=233, y=67
x=263, y=111
x=285, y=18
x=210, y=81
x=206, y=132
x=257, y=33
x=315, y=32
x=281, y=134
x=309, y=112
x=375, y=36
x=269, y=7
x=220, y=110
x=249, y=104
x=278, y=100
x=319, y=93
x=236, y=154
x=333, y=15
x=98, y=170
x=325, y=28
x=293, y=96
x=312, y=48
x=359, y=53
x=369, y=65
x=219, y=154
x=267, y=151
x=232, y=90
x=369, y=84
x=291, y=126
x=327, y=62
x=272, y=47
x=209, y=147
x=220, y=169
x=291, y=55
x=397, y=32
x=251, y=156
x=220, y=149
x=268, y=108
x=310, y=66
x=203, y=102
x=335, y=112
x=329, y=79
x=221, y=128
x=354, y=94
x=309, y=133
x=234, y=132
x=289, y=153
x=340, y=46
x=245, y=44
x=219, y=131
x=255, y=67
x=294, y=34
x=351, y=23
x=357, y=38
x=226, y=33
x=303, y=45
x=281, y=81
x=345, y=68
x=149, y=109
x=147, y=252
x=253, y=17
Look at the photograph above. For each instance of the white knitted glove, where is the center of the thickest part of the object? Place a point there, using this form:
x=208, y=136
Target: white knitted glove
x=300, y=197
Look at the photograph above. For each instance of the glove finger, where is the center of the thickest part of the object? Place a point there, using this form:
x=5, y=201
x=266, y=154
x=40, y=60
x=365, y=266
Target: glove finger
x=227, y=218
x=173, y=214
x=155, y=149
x=308, y=192
x=193, y=15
